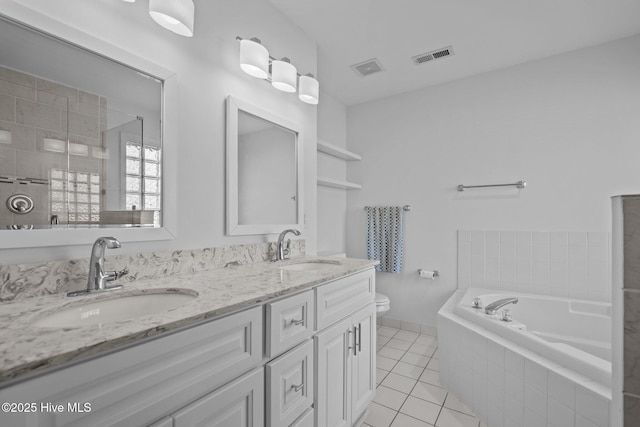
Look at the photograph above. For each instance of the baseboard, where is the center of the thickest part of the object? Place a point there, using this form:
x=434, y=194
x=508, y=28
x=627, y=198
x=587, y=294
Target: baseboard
x=408, y=326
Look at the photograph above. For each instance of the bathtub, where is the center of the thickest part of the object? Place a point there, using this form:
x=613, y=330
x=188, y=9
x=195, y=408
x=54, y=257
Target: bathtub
x=551, y=365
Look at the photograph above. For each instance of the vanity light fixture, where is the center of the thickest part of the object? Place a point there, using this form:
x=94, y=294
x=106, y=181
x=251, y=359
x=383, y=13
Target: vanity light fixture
x=284, y=76
x=309, y=89
x=174, y=15
x=256, y=61
x=254, y=58
x=129, y=1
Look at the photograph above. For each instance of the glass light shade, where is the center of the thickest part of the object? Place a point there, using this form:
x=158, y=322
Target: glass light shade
x=254, y=59
x=55, y=145
x=284, y=76
x=78, y=149
x=130, y=1
x=174, y=15
x=5, y=137
x=309, y=89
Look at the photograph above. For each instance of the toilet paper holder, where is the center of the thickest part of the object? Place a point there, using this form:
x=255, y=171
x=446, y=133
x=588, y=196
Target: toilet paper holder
x=427, y=274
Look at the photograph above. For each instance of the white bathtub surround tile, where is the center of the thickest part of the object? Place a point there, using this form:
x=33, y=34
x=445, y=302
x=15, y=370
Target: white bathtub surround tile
x=514, y=364
x=452, y=402
x=495, y=353
x=559, y=263
x=379, y=416
x=532, y=419
x=431, y=377
x=535, y=401
x=385, y=363
x=559, y=415
x=592, y=406
x=421, y=409
x=398, y=344
x=415, y=359
x=583, y=422
x=562, y=390
x=429, y=393
x=535, y=375
x=449, y=418
x=513, y=410
x=399, y=382
x=389, y=397
x=495, y=375
x=514, y=388
x=403, y=420
x=407, y=336
x=407, y=370
x=391, y=353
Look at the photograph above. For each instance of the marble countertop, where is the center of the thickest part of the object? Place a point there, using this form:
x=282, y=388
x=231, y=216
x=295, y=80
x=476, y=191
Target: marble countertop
x=26, y=348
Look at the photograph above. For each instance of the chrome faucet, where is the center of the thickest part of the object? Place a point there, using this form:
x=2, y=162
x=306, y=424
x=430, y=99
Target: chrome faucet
x=98, y=278
x=497, y=305
x=285, y=248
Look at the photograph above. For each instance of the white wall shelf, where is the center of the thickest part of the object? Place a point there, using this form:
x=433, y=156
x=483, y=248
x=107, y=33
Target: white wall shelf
x=336, y=183
x=339, y=152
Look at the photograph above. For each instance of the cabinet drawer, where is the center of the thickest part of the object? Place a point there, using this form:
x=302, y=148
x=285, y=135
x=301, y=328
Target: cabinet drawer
x=343, y=296
x=143, y=383
x=239, y=403
x=290, y=385
x=289, y=322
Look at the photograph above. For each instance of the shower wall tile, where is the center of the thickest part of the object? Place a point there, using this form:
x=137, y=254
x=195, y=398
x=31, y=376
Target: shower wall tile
x=7, y=161
x=57, y=94
x=84, y=125
x=7, y=108
x=38, y=115
x=16, y=77
x=632, y=342
x=22, y=137
x=558, y=263
x=17, y=90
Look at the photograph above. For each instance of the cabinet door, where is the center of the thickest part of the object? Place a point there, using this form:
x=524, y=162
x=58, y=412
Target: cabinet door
x=237, y=404
x=363, y=385
x=332, y=401
x=289, y=385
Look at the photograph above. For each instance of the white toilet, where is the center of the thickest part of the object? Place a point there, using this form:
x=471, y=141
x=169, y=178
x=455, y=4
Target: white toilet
x=383, y=304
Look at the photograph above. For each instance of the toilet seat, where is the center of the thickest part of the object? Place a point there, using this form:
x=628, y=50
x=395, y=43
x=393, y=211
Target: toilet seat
x=383, y=302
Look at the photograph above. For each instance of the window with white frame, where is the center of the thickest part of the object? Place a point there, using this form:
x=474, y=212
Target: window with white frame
x=142, y=178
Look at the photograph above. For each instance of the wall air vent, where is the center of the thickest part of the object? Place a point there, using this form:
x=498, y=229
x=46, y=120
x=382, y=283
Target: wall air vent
x=368, y=67
x=430, y=56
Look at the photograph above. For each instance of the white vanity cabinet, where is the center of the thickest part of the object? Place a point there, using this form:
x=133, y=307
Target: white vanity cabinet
x=302, y=360
x=345, y=351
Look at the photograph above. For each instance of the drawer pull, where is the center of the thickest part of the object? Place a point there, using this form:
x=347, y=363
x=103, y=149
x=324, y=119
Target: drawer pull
x=297, y=388
x=355, y=341
x=359, y=337
x=297, y=321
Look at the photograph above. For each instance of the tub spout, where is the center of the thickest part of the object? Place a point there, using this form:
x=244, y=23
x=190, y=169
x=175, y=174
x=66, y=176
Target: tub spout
x=497, y=305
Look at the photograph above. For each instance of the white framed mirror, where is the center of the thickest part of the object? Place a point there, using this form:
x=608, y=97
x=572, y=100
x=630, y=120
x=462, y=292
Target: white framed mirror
x=38, y=49
x=264, y=171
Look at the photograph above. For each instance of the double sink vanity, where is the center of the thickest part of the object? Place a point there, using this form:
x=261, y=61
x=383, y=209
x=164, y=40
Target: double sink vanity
x=287, y=343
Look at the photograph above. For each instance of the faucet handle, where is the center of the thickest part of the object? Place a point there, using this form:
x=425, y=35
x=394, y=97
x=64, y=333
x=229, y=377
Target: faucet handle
x=506, y=315
x=121, y=273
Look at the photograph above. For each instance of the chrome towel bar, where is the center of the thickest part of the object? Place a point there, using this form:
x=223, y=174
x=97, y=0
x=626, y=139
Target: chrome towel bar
x=519, y=184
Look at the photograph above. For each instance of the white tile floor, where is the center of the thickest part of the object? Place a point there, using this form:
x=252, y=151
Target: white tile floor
x=409, y=392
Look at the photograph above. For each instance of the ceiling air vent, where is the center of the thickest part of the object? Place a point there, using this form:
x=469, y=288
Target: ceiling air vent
x=368, y=67
x=430, y=56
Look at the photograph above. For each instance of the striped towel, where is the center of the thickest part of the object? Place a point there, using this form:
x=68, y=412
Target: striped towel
x=385, y=237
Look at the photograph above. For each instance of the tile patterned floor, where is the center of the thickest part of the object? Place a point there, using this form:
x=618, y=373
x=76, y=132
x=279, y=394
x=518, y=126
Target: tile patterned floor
x=409, y=393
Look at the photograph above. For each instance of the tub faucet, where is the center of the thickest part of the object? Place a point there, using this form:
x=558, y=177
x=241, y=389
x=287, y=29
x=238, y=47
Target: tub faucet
x=497, y=305
x=98, y=278
x=285, y=248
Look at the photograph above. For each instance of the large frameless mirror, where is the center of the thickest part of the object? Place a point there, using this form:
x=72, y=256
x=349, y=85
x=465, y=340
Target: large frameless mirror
x=81, y=139
x=264, y=171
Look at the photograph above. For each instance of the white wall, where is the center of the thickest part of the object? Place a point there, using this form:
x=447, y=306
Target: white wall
x=332, y=202
x=567, y=124
x=207, y=71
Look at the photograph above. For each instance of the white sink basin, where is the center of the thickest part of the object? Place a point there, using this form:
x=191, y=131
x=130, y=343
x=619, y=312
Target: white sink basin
x=115, y=309
x=311, y=266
